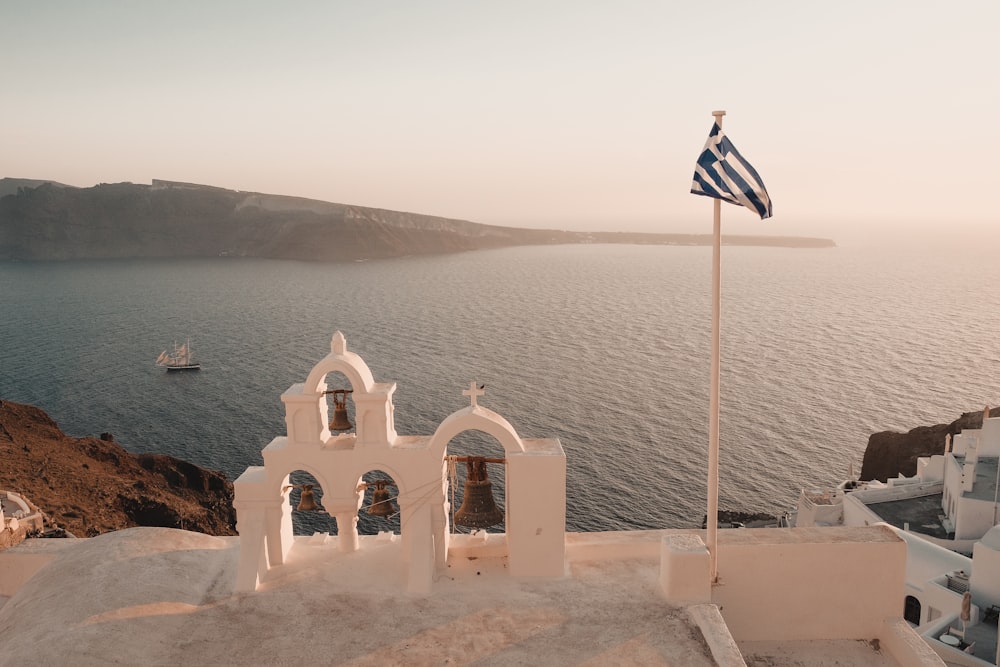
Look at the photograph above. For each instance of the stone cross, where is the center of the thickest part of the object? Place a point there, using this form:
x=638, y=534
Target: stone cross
x=474, y=392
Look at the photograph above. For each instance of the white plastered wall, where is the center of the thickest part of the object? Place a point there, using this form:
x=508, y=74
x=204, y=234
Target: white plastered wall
x=990, y=437
x=536, y=479
x=985, y=579
x=795, y=583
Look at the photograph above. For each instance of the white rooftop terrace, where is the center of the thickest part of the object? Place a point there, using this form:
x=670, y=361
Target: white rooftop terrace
x=533, y=594
x=156, y=596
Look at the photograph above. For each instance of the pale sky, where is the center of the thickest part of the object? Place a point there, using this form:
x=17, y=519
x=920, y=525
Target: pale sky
x=864, y=118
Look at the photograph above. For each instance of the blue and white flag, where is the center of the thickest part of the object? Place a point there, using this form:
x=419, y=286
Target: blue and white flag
x=722, y=173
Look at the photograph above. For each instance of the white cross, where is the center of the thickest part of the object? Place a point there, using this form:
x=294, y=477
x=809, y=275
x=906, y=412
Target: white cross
x=474, y=391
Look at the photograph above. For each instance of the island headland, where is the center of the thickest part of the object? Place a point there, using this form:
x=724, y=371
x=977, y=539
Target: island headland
x=45, y=220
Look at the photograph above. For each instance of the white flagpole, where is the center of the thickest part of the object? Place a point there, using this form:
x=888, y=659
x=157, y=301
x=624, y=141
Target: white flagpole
x=712, y=518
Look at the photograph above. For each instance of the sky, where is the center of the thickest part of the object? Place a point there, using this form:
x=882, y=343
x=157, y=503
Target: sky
x=865, y=119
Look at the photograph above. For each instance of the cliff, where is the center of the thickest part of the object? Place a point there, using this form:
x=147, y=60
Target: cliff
x=91, y=486
x=890, y=453
x=51, y=221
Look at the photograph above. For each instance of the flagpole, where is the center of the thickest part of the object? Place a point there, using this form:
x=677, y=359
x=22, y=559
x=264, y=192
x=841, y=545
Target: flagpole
x=712, y=517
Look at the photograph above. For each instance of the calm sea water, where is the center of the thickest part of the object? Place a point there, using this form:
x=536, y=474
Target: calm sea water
x=604, y=347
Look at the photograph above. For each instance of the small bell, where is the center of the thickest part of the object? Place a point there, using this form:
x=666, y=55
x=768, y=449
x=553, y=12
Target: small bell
x=478, y=509
x=340, y=420
x=308, y=501
x=381, y=502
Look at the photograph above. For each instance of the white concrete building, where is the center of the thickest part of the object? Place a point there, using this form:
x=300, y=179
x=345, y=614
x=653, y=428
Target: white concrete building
x=946, y=513
x=952, y=501
x=970, y=476
x=938, y=581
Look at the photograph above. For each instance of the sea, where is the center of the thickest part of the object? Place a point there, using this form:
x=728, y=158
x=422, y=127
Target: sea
x=605, y=347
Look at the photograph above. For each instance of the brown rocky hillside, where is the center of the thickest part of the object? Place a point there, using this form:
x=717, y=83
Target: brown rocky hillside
x=92, y=485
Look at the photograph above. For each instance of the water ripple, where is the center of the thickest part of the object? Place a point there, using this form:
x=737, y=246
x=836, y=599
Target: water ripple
x=604, y=347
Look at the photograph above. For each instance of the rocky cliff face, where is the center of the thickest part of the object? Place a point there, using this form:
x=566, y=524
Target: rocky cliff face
x=890, y=453
x=92, y=485
x=183, y=220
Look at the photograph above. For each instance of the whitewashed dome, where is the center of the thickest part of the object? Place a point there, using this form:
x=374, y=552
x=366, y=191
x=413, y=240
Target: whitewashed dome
x=992, y=538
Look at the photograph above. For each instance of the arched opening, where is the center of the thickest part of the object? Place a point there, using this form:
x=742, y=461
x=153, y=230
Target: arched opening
x=911, y=610
x=306, y=498
x=380, y=508
x=341, y=414
x=475, y=443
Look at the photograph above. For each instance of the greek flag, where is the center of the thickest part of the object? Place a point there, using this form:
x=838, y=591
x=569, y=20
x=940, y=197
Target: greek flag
x=722, y=173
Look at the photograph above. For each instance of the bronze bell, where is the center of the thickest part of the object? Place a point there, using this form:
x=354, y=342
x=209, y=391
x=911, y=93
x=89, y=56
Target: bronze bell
x=478, y=508
x=340, y=421
x=308, y=501
x=381, y=503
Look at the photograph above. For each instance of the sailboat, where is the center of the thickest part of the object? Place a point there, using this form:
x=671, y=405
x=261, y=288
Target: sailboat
x=178, y=360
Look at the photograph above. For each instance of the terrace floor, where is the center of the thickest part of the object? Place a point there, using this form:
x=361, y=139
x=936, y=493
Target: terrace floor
x=923, y=514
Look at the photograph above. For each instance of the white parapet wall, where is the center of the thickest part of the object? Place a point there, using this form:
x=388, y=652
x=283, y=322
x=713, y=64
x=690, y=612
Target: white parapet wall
x=793, y=586
x=986, y=573
x=897, y=491
x=685, y=571
x=795, y=583
x=908, y=648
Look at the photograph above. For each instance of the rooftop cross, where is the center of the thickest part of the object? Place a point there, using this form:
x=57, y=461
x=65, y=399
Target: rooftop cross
x=474, y=391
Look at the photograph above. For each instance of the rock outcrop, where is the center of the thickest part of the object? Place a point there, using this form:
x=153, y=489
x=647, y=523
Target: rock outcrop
x=890, y=453
x=92, y=485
